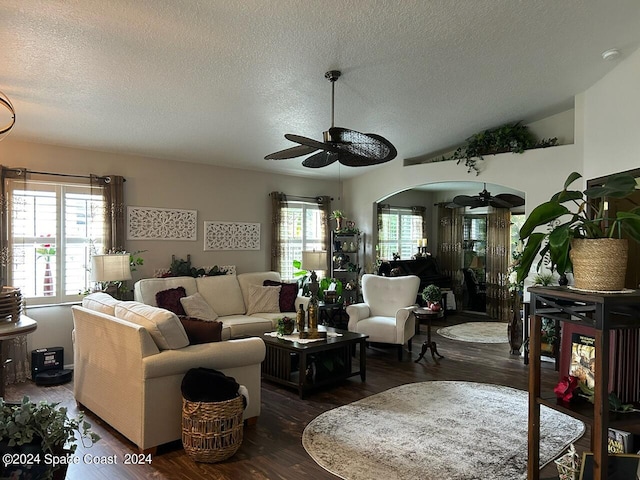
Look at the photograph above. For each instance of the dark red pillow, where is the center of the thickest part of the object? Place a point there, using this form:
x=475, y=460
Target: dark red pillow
x=288, y=294
x=170, y=300
x=201, y=331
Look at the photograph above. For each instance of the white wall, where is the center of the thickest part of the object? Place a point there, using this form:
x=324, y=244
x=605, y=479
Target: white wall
x=612, y=120
x=221, y=194
x=538, y=173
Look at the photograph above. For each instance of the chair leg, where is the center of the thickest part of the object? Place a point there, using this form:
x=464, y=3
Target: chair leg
x=409, y=344
x=400, y=352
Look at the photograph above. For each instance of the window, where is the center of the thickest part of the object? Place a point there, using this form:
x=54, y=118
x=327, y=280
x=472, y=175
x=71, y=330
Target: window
x=301, y=231
x=54, y=228
x=399, y=231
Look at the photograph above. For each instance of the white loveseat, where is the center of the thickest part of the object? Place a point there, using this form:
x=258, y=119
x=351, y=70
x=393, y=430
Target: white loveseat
x=129, y=362
x=228, y=295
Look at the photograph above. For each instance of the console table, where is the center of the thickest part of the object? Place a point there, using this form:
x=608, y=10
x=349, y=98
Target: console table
x=604, y=313
x=9, y=331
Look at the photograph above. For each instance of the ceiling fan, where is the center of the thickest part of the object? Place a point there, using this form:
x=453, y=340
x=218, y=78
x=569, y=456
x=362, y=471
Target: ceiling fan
x=350, y=148
x=485, y=199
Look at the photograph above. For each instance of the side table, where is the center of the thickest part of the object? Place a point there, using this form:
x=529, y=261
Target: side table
x=330, y=314
x=10, y=331
x=425, y=315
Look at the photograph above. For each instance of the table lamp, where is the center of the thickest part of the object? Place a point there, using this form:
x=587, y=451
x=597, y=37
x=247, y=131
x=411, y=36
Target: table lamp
x=113, y=267
x=313, y=261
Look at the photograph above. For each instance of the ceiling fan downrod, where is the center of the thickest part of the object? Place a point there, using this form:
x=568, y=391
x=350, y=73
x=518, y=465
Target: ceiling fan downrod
x=332, y=76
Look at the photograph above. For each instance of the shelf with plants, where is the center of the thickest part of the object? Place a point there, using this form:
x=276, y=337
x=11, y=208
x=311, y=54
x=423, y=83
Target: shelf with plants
x=347, y=252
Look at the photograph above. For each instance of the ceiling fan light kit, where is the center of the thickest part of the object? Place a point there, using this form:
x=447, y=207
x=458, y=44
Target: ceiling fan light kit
x=350, y=148
x=485, y=199
x=6, y=103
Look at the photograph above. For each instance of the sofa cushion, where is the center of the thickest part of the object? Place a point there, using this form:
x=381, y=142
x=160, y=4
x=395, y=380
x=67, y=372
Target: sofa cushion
x=170, y=300
x=288, y=294
x=201, y=331
x=222, y=293
x=196, y=306
x=255, y=278
x=100, y=302
x=145, y=290
x=263, y=299
x=244, y=326
x=163, y=325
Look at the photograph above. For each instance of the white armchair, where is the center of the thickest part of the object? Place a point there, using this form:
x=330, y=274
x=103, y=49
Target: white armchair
x=385, y=314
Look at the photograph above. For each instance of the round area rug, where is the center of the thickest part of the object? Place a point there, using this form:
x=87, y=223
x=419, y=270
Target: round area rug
x=436, y=431
x=477, y=332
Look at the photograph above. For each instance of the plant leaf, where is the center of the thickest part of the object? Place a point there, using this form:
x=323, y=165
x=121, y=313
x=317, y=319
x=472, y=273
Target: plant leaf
x=529, y=254
x=541, y=215
x=616, y=186
x=573, y=176
x=630, y=223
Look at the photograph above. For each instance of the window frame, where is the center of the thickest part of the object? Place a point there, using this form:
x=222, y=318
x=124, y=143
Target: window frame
x=305, y=243
x=62, y=239
x=409, y=244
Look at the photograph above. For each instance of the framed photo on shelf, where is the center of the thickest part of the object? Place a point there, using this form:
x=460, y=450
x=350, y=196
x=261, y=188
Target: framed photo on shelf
x=622, y=466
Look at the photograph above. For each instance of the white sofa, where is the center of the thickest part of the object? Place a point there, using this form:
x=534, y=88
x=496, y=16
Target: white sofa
x=130, y=359
x=228, y=295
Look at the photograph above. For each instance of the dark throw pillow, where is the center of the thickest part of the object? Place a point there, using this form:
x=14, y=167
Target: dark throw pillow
x=201, y=331
x=288, y=294
x=170, y=300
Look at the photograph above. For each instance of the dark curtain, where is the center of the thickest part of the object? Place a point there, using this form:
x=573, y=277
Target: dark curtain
x=278, y=203
x=112, y=187
x=450, y=253
x=497, y=263
x=324, y=202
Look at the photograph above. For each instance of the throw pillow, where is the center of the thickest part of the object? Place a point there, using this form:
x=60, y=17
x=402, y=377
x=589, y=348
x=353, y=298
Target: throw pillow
x=170, y=300
x=196, y=306
x=288, y=294
x=263, y=299
x=201, y=331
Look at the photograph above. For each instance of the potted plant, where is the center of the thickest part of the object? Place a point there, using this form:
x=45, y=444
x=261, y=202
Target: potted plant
x=42, y=428
x=573, y=238
x=339, y=217
x=433, y=296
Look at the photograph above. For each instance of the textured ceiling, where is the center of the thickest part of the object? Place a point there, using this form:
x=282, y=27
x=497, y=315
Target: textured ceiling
x=221, y=82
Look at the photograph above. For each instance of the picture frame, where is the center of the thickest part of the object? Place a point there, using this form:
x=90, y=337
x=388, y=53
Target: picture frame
x=622, y=466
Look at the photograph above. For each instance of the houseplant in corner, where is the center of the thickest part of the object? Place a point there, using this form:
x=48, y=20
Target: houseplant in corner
x=575, y=237
x=28, y=429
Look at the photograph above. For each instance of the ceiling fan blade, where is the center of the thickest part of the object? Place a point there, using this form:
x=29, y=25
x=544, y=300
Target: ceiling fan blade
x=350, y=160
x=368, y=145
x=513, y=200
x=320, y=159
x=292, y=152
x=310, y=142
x=498, y=203
x=468, y=201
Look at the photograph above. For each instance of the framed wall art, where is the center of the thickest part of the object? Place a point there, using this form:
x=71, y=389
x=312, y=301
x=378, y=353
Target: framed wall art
x=231, y=236
x=148, y=223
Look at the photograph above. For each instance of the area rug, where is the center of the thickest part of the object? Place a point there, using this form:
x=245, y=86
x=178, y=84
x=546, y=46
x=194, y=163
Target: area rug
x=436, y=431
x=477, y=332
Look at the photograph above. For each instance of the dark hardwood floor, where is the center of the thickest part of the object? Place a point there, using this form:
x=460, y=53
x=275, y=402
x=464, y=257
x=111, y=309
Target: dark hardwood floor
x=272, y=448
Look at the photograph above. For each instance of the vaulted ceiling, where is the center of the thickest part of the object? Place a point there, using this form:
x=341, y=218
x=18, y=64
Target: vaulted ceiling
x=221, y=82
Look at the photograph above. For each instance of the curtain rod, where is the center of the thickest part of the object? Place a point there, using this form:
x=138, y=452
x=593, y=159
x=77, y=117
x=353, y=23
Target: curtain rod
x=21, y=171
x=316, y=198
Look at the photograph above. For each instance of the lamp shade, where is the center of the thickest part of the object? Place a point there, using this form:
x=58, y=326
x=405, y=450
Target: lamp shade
x=314, y=260
x=110, y=268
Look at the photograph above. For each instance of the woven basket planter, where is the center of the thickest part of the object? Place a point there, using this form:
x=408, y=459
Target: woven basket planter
x=599, y=264
x=212, y=431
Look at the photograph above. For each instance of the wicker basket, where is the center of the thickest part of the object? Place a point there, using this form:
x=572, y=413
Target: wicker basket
x=10, y=304
x=568, y=465
x=599, y=264
x=212, y=431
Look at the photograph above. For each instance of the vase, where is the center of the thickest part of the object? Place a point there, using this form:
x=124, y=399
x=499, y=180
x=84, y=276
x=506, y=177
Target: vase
x=48, y=280
x=599, y=263
x=339, y=221
x=515, y=328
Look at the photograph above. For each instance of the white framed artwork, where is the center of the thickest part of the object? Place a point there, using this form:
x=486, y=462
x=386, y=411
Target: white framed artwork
x=231, y=236
x=149, y=223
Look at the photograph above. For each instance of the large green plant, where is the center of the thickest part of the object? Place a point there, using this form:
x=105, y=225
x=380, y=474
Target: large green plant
x=43, y=422
x=589, y=219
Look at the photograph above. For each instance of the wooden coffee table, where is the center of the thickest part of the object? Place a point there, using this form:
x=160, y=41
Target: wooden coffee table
x=303, y=366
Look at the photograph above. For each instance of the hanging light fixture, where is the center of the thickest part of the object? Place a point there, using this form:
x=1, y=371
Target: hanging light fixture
x=6, y=103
